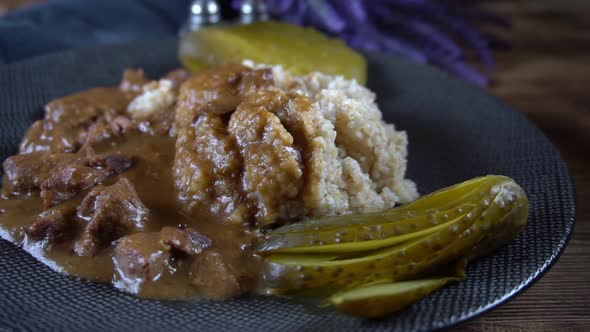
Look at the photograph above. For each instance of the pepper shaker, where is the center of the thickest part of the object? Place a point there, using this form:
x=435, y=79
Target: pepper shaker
x=202, y=13
x=253, y=11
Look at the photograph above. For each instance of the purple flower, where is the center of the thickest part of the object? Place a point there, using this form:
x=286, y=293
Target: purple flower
x=424, y=31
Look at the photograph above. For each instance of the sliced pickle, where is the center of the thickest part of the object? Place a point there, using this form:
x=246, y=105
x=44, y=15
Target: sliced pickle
x=502, y=205
x=300, y=50
x=285, y=271
x=382, y=299
x=473, y=191
x=497, y=215
x=363, y=238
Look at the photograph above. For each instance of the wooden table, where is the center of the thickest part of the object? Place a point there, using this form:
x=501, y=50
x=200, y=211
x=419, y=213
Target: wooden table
x=547, y=76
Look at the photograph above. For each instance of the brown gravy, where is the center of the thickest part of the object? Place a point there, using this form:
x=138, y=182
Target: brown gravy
x=119, y=195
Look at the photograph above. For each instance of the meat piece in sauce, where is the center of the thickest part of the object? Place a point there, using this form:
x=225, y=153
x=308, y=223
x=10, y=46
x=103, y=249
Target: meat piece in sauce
x=207, y=168
x=246, y=165
x=47, y=136
x=207, y=165
x=218, y=91
x=186, y=241
x=177, y=77
x=223, y=286
x=132, y=82
x=140, y=258
x=272, y=172
x=26, y=172
x=53, y=224
x=68, y=119
x=75, y=175
x=97, y=114
x=111, y=212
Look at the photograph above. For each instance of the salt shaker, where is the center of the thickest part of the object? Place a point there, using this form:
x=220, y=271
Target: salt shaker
x=202, y=13
x=207, y=12
x=253, y=11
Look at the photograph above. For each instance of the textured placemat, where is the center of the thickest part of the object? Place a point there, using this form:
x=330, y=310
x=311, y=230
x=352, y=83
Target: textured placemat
x=456, y=132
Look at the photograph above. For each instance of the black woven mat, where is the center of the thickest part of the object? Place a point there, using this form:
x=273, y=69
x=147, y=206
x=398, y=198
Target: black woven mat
x=456, y=132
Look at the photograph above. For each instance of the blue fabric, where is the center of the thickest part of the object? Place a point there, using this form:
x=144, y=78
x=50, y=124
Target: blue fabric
x=62, y=24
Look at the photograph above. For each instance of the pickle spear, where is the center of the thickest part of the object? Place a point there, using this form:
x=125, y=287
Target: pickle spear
x=382, y=299
x=285, y=271
x=501, y=209
x=360, y=238
x=468, y=192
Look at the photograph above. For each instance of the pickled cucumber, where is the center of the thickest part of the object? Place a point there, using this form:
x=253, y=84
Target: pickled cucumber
x=492, y=210
x=468, y=192
x=382, y=299
x=361, y=238
x=285, y=271
x=300, y=50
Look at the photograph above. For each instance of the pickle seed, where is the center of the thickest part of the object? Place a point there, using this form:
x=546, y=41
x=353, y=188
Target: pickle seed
x=510, y=200
x=336, y=272
x=319, y=269
x=299, y=268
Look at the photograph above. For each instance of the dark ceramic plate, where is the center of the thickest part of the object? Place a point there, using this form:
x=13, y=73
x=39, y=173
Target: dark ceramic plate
x=456, y=132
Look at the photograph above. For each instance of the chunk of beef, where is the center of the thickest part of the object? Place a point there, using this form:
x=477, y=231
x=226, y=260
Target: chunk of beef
x=177, y=77
x=139, y=258
x=159, y=123
x=218, y=91
x=53, y=224
x=73, y=176
x=68, y=119
x=26, y=172
x=207, y=169
x=272, y=172
x=49, y=137
x=223, y=286
x=133, y=82
x=84, y=107
x=111, y=212
x=187, y=241
x=107, y=126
